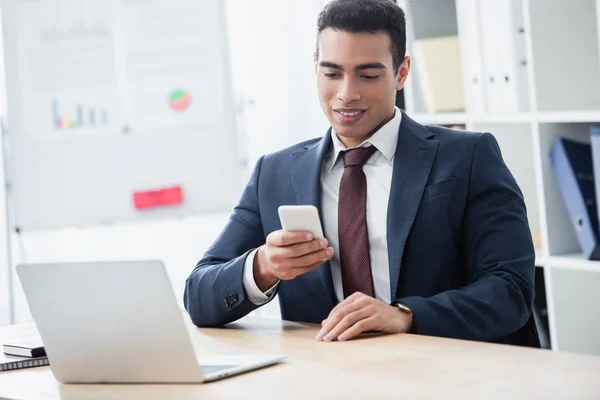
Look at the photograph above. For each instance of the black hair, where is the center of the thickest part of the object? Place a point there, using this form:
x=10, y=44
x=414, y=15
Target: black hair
x=368, y=16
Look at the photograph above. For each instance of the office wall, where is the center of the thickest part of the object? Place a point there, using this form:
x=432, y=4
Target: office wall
x=271, y=45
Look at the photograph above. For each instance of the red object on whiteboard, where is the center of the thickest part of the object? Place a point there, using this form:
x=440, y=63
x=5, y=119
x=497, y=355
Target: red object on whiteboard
x=157, y=198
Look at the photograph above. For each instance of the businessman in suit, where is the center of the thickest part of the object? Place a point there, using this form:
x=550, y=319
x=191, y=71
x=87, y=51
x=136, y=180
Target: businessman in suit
x=426, y=229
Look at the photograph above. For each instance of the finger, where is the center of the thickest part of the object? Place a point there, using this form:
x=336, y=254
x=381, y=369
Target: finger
x=318, y=257
x=348, y=321
x=353, y=302
x=281, y=238
x=280, y=256
x=308, y=268
x=335, y=317
x=289, y=268
x=301, y=249
x=359, y=327
x=350, y=299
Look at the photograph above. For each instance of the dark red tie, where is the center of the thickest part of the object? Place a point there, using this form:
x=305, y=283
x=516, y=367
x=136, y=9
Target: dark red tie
x=352, y=224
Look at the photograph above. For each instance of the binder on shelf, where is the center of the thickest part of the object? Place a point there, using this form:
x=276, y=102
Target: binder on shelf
x=469, y=34
x=438, y=65
x=571, y=162
x=504, y=55
x=595, y=143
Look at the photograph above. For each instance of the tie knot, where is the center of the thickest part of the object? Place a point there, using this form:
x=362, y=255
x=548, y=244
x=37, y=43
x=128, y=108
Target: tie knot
x=358, y=156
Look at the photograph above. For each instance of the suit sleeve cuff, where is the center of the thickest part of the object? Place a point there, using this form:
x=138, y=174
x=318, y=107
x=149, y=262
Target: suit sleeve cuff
x=421, y=312
x=254, y=293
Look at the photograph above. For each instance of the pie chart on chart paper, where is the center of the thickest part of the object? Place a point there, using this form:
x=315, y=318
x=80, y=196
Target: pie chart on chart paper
x=179, y=100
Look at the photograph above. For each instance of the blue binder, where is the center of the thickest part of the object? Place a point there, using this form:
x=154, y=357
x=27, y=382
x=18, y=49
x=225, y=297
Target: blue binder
x=574, y=171
x=595, y=140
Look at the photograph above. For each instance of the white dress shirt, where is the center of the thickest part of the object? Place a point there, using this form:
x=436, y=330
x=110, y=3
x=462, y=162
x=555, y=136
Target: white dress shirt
x=378, y=171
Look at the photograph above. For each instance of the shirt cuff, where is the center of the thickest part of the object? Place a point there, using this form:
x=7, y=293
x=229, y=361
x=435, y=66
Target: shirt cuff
x=254, y=293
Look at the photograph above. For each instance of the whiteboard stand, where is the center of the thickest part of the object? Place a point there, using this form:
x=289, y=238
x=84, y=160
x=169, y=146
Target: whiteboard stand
x=7, y=309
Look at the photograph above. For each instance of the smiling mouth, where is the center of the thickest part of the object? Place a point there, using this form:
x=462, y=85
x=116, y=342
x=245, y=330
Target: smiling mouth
x=349, y=115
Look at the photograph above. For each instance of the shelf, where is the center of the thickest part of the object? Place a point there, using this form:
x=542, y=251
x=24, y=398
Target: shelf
x=572, y=262
x=568, y=116
x=509, y=118
x=539, y=108
x=540, y=260
x=440, y=118
x=463, y=118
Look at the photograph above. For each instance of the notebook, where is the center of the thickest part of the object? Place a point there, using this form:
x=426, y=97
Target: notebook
x=8, y=363
x=25, y=347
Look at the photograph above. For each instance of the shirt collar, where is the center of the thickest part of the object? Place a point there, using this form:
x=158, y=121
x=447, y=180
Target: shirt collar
x=385, y=139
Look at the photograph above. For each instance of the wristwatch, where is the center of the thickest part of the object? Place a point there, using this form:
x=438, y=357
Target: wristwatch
x=403, y=307
x=407, y=310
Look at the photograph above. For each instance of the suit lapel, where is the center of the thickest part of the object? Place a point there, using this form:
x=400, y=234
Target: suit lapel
x=413, y=160
x=305, y=170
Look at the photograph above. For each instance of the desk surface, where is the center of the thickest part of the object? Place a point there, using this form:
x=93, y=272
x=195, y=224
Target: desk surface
x=394, y=366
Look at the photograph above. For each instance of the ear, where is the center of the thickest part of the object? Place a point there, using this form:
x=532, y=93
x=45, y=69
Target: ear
x=403, y=71
x=315, y=60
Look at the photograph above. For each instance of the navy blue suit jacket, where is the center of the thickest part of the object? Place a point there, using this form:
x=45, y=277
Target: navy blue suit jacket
x=460, y=248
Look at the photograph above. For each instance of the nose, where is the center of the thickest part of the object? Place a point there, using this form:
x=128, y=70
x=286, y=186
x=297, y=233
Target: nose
x=348, y=91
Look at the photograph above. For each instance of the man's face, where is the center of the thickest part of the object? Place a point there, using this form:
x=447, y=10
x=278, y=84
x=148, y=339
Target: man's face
x=356, y=82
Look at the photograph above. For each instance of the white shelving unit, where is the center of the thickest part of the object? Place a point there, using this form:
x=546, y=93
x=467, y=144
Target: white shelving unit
x=561, y=43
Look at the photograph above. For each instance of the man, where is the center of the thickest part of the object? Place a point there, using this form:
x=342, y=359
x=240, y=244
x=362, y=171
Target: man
x=426, y=228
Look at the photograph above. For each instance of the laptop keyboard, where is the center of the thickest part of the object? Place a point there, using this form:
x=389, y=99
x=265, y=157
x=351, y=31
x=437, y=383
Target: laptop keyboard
x=210, y=369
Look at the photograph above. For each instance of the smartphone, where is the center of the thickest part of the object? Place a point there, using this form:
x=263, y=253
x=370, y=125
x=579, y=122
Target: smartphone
x=301, y=218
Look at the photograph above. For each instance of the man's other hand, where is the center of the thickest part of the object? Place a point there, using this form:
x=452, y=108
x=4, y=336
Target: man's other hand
x=361, y=313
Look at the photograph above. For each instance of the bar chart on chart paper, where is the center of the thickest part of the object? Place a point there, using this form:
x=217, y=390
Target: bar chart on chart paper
x=85, y=111
x=69, y=84
x=78, y=116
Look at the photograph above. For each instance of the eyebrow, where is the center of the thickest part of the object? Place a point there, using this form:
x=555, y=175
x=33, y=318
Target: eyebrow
x=374, y=65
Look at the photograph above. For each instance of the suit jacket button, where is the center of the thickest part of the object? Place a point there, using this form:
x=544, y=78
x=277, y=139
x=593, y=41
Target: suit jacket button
x=234, y=298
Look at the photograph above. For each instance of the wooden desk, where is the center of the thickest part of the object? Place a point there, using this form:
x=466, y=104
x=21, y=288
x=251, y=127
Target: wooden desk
x=381, y=367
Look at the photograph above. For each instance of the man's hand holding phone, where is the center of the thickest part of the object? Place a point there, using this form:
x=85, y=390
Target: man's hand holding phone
x=298, y=248
x=287, y=255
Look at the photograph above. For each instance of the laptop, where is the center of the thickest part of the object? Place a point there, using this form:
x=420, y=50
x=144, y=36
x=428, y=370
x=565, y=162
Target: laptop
x=119, y=322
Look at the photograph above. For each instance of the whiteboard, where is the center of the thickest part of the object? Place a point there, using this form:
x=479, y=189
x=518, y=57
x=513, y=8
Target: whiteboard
x=108, y=98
